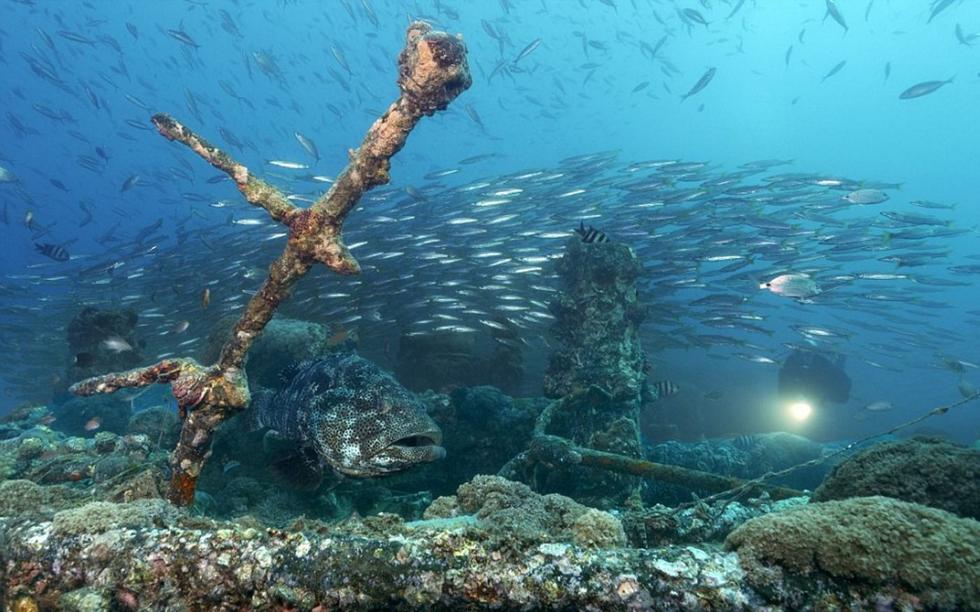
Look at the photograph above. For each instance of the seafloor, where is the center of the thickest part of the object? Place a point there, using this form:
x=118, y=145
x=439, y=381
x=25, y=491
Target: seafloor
x=84, y=526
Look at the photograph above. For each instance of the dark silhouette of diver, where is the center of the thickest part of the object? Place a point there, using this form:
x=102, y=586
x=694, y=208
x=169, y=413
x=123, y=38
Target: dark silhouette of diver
x=814, y=377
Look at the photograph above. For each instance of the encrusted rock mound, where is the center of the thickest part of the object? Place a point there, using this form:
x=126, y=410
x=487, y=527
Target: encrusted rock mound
x=927, y=471
x=874, y=545
x=512, y=511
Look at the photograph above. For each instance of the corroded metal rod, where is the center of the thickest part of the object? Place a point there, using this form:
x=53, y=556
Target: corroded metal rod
x=555, y=450
x=432, y=71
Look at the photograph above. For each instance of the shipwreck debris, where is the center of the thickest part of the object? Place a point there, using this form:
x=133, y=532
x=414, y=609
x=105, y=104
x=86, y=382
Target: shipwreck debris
x=432, y=72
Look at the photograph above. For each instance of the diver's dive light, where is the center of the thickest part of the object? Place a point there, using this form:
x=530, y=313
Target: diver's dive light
x=800, y=410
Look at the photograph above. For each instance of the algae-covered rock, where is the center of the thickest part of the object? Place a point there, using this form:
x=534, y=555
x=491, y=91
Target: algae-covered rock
x=87, y=599
x=926, y=471
x=30, y=448
x=105, y=442
x=159, y=424
x=875, y=543
x=597, y=529
x=511, y=511
x=660, y=525
x=19, y=496
x=24, y=497
x=147, y=484
x=97, y=517
x=108, y=468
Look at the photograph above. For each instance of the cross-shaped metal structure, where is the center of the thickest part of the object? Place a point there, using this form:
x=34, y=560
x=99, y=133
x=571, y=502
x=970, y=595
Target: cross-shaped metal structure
x=432, y=71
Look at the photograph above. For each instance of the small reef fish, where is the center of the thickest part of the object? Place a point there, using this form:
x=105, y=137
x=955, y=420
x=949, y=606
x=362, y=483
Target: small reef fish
x=590, y=234
x=664, y=388
x=344, y=412
x=744, y=442
x=183, y=37
x=308, y=145
x=205, y=297
x=129, y=183
x=84, y=360
x=834, y=12
x=289, y=165
x=115, y=344
x=528, y=50
x=54, y=251
x=7, y=176
x=93, y=424
x=879, y=406
x=966, y=388
x=799, y=286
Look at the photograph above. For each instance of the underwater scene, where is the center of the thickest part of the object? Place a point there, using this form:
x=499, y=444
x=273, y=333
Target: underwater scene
x=503, y=304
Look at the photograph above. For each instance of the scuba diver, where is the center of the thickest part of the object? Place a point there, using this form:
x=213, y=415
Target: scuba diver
x=813, y=377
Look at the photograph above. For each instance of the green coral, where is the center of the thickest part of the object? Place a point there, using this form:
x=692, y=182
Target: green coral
x=20, y=496
x=30, y=448
x=97, y=517
x=511, y=511
x=873, y=542
x=927, y=471
x=87, y=599
x=24, y=497
x=597, y=529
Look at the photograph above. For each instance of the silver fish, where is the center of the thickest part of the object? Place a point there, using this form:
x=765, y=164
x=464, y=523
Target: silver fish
x=701, y=84
x=922, y=89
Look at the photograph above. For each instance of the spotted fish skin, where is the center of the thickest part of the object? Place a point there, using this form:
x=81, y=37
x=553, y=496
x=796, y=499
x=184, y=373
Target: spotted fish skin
x=356, y=417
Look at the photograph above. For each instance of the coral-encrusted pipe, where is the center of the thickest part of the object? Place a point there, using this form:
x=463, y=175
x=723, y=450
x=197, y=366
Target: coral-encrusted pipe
x=432, y=71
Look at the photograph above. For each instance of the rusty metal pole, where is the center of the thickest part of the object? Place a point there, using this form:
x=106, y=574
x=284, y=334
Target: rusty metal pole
x=432, y=72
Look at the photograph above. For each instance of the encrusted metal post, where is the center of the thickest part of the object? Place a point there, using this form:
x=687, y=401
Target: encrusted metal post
x=432, y=71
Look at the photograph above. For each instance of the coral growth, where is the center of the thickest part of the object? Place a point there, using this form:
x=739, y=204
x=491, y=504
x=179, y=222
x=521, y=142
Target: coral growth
x=699, y=524
x=432, y=71
x=926, y=471
x=510, y=511
x=743, y=457
x=597, y=322
x=874, y=545
x=97, y=517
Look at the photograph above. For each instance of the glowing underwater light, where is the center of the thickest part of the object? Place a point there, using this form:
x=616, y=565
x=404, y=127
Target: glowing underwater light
x=800, y=410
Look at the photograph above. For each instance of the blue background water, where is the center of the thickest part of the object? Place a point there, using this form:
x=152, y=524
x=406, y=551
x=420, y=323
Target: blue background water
x=756, y=107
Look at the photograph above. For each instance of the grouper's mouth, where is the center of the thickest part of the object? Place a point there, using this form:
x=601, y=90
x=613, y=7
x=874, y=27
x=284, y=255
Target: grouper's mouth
x=422, y=446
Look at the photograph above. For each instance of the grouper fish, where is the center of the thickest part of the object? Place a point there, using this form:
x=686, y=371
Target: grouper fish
x=346, y=413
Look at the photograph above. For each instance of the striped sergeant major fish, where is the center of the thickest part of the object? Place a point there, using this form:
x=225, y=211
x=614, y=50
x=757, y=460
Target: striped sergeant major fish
x=664, y=388
x=54, y=251
x=744, y=442
x=590, y=234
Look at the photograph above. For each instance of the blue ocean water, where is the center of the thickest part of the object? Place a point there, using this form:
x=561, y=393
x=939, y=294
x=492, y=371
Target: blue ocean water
x=84, y=77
